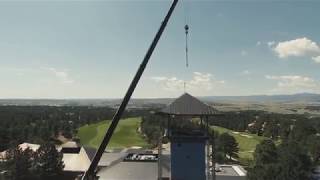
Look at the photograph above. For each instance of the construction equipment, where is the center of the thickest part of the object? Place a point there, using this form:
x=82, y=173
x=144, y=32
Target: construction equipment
x=90, y=174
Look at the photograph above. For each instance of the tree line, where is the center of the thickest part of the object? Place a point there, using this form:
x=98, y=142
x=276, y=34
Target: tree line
x=40, y=124
x=291, y=151
x=293, y=158
x=25, y=164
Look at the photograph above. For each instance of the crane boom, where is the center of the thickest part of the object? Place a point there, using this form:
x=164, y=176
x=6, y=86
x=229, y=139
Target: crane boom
x=90, y=173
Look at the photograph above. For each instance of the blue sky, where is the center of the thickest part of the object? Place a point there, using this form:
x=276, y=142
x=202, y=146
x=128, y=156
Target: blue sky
x=91, y=49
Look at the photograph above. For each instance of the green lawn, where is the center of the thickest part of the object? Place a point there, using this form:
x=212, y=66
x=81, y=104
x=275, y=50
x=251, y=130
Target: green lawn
x=125, y=135
x=247, y=142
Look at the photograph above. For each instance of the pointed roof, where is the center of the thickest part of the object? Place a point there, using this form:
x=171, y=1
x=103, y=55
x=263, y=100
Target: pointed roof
x=188, y=105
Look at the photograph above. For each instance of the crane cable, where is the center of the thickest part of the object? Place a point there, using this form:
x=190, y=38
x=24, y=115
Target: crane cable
x=186, y=28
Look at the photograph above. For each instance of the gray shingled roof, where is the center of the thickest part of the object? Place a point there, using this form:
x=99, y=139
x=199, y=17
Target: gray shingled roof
x=188, y=105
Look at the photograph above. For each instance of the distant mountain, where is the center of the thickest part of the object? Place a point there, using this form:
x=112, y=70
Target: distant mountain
x=293, y=98
x=134, y=103
x=307, y=98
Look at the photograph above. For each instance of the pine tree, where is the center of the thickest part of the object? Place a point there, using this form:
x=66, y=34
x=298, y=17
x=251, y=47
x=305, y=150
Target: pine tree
x=228, y=145
x=294, y=162
x=314, y=148
x=287, y=162
x=265, y=153
x=265, y=162
x=18, y=163
x=48, y=162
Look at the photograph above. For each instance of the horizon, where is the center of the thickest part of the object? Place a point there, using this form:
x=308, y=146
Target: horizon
x=136, y=98
x=91, y=50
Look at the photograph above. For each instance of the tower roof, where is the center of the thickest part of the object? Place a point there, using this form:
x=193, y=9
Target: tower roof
x=188, y=105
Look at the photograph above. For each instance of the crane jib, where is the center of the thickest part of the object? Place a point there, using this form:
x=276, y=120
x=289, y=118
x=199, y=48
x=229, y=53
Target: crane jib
x=90, y=173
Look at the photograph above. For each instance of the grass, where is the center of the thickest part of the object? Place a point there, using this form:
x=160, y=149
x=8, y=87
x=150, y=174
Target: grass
x=125, y=135
x=247, y=142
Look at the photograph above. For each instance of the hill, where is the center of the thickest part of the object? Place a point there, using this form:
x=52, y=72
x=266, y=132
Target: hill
x=307, y=98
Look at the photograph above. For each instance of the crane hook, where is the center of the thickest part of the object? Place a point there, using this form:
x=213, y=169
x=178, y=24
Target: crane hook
x=186, y=28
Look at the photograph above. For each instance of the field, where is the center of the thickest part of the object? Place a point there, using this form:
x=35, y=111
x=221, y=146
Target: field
x=247, y=142
x=125, y=135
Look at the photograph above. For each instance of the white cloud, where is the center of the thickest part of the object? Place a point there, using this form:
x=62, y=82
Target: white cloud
x=169, y=84
x=159, y=78
x=271, y=43
x=316, y=59
x=244, y=53
x=62, y=76
x=294, y=84
x=245, y=72
x=203, y=82
x=296, y=48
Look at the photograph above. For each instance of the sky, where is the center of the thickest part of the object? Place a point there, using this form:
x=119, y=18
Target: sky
x=92, y=49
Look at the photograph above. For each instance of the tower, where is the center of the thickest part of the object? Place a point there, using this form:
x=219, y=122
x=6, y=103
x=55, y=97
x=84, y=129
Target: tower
x=189, y=155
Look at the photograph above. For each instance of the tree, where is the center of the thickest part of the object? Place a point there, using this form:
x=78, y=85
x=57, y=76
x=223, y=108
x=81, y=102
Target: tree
x=265, y=162
x=228, y=145
x=287, y=162
x=44, y=133
x=18, y=163
x=314, y=148
x=4, y=139
x=285, y=129
x=301, y=131
x=271, y=129
x=48, y=162
x=294, y=162
x=150, y=127
x=216, y=153
x=265, y=153
x=264, y=172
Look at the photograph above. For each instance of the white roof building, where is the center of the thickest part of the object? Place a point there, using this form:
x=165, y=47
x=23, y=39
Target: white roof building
x=74, y=162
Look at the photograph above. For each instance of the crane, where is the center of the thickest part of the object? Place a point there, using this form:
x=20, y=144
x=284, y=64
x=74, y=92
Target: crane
x=90, y=174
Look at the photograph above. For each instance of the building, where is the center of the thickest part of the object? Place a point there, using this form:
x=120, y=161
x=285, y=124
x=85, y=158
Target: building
x=76, y=159
x=189, y=149
x=185, y=158
x=115, y=166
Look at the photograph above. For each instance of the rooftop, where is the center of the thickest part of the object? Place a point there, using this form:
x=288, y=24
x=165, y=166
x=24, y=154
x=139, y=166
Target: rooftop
x=113, y=163
x=189, y=106
x=74, y=162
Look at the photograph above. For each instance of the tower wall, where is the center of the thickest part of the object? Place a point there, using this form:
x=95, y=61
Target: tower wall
x=188, y=158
